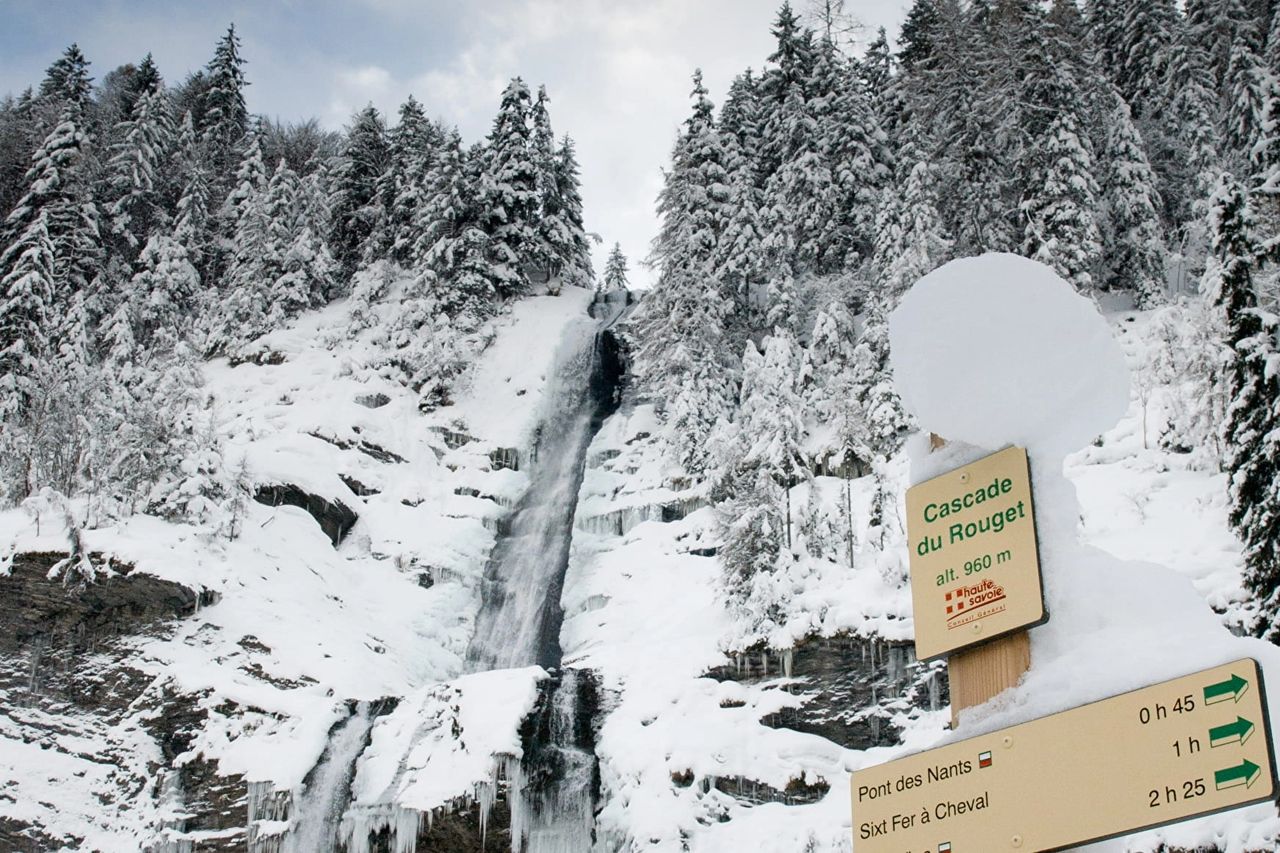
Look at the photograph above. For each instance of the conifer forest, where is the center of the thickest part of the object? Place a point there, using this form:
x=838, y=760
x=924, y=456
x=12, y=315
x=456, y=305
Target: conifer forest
x=347, y=504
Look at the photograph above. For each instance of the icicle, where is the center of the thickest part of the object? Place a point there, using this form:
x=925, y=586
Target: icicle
x=786, y=662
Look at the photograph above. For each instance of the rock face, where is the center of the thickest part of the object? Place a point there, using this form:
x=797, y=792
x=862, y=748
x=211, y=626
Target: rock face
x=849, y=684
x=67, y=678
x=334, y=517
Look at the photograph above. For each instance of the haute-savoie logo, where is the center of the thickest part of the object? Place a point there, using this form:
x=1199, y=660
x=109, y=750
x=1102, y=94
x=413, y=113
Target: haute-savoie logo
x=970, y=602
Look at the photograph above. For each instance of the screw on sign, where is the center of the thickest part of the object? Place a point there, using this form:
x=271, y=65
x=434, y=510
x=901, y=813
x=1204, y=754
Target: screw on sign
x=1184, y=748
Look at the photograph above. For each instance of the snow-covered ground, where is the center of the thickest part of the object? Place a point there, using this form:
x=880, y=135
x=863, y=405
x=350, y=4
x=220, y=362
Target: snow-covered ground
x=302, y=626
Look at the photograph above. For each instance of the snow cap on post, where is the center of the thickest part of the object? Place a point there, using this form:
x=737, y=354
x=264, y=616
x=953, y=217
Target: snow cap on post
x=998, y=349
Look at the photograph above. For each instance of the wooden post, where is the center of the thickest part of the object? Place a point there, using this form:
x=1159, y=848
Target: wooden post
x=976, y=675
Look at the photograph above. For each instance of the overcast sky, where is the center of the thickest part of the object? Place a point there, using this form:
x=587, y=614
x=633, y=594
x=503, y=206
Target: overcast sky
x=617, y=71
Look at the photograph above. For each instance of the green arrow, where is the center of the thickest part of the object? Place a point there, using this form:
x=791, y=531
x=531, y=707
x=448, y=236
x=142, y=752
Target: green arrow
x=1237, y=731
x=1244, y=774
x=1233, y=688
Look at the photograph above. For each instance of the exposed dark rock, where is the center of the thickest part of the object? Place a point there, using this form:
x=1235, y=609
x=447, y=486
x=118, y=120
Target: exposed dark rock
x=77, y=617
x=453, y=439
x=65, y=668
x=24, y=838
x=373, y=401
x=797, y=793
x=357, y=487
x=848, y=684
x=504, y=457
x=261, y=357
x=425, y=580
x=334, y=517
x=368, y=448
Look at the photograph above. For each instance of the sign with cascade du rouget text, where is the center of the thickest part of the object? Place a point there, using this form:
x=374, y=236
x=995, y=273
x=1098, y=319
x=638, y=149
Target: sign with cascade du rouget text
x=1181, y=749
x=975, y=565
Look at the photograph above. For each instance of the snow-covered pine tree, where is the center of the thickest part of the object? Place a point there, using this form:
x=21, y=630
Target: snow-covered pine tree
x=26, y=304
x=359, y=217
x=1191, y=123
x=912, y=242
x=1251, y=436
x=239, y=315
x=191, y=224
x=560, y=229
x=58, y=190
x=451, y=249
x=225, y=118
x=1134, y=247
x=413, y=144
x=289, y=289
x=792, y=69
x=739, y=261
x=1218, y=26
x=1149, y=30
x=764, y=461
x=163, y=293
x=1252, y=90
x=886, y=422
x=134, y=171
x=915, y=41
x=799, y=203
x=851, y=142
x=683, y=359
x=1061, y=228
x=509, y=202
x=615, y=271
x=67, y=83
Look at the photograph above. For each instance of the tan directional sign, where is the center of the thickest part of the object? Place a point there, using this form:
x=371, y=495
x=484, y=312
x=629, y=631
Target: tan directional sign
x=975, y=567
x=1188, y=747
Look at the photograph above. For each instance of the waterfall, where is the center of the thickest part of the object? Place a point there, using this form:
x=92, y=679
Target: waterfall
x=328, y=788
x=519, y=619
x=552, y=795
x=554, y=810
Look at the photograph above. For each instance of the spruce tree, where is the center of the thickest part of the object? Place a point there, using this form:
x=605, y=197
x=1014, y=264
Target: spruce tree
x=683, y=358
x=452, y=247
x=1135, y=249
x=917, y=242
x=225, y=118
x=509, y=199
x=359, y=216
x=26, y=307
x=412, y=145
x=560, y=228
x=135, y=170
x=1061, y=230
x=615, y=272
x=1149, y=30
x=1253, y=449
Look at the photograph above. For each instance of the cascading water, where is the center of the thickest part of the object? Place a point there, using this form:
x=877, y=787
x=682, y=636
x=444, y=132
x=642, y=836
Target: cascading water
x=328, y=789
x=552, y=795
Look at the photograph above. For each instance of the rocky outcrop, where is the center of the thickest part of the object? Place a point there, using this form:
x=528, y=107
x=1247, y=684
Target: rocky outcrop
x=68, y=677
x=850, y=686
x=334, y=517
x=37, y=609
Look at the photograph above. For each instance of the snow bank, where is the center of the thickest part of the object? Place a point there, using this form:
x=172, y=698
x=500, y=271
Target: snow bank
x=1051, y=383
x=997, y=350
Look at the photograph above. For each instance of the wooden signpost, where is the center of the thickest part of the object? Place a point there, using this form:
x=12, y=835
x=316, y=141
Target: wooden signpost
x=1184, y=748
x=975, y=563
x=975, y=582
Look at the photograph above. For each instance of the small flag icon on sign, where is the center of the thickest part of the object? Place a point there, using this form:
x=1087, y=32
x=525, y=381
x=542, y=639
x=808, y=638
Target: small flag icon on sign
x=984, y=759
x=944, y=847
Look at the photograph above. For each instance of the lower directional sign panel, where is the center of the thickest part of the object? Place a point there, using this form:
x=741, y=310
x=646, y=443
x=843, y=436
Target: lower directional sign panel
x=1188, y=747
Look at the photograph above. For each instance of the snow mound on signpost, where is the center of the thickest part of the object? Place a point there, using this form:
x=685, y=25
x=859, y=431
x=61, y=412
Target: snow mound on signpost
x=997, y=349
